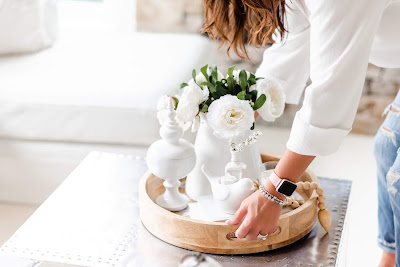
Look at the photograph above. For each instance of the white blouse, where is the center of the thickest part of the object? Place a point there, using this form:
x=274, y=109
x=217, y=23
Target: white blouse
x=327, y=50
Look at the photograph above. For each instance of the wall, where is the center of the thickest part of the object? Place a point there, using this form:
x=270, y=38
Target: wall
x=169, y=15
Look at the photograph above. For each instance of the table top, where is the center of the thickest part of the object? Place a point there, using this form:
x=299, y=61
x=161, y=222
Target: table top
x=92, y=219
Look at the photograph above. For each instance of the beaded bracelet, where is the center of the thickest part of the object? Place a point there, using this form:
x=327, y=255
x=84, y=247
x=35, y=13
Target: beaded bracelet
x=272, y=197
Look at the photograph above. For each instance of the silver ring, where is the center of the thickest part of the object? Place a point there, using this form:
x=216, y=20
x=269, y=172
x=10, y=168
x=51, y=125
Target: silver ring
x=262, y=237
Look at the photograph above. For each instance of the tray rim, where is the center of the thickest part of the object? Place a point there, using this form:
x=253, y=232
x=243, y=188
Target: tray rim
x=312, y=200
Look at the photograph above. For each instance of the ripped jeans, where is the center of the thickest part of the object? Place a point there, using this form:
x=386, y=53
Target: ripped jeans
x=387, y=156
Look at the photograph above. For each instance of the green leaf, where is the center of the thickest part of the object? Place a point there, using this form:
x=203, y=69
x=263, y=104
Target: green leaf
x=214, y=72
x=230, y=71
x=248, y=97
x=176, y=102
x=221, y=89
x=208, y=102
x=243, y=79
x=215, y=95
x=259, y=78
x=204, y=108
x=254, y=95
x=252, y=127
x=194, y=75
x=236, y=89
x=183, y=85
x=231, y=83
x=210, y=86
x=204, y=71
x=252, y=81
x=259, y=102
x=241, y=95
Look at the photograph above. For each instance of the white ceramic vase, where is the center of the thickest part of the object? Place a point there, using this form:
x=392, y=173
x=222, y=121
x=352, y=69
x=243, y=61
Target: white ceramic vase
x=214, y=153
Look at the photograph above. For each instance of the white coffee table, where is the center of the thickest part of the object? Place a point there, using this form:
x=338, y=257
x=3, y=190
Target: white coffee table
x=92, y=219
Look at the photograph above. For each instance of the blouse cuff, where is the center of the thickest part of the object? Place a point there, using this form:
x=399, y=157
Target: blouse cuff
x=306, y=139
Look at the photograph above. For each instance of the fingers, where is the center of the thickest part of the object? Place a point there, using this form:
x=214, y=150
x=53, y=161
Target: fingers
x=244, y=229
x=252, y=234
x=263, y=232
x=238, y=217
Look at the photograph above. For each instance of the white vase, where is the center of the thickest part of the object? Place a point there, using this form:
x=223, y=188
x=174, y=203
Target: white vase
x=215, y=154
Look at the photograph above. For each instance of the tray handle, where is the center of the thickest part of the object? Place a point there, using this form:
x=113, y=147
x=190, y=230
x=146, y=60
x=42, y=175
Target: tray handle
x=232, y=236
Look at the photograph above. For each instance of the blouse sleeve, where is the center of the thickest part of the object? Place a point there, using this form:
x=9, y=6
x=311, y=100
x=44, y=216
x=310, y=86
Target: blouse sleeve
x=289, y=61
x=330, y=46
x=341, y=36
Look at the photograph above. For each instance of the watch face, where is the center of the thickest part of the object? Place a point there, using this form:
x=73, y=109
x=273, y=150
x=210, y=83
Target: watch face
x=287, y=188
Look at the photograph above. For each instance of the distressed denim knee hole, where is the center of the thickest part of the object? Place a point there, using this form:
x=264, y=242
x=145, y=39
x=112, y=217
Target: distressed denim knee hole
x=389, y=133
x=393, y=182
x=393, y=108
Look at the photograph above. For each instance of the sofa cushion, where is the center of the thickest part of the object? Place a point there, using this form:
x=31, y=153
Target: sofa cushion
x=96, y=88
x=27, y=25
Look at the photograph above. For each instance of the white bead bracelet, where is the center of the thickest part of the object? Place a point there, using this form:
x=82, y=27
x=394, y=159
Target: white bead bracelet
x=272, y=197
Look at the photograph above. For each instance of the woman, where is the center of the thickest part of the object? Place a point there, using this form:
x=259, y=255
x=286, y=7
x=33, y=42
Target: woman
x=329, y=43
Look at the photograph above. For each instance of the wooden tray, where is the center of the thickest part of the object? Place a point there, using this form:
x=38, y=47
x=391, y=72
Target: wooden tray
x=216, y=237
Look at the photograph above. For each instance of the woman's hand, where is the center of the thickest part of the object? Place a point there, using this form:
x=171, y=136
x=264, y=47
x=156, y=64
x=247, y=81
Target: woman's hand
x=257, y=215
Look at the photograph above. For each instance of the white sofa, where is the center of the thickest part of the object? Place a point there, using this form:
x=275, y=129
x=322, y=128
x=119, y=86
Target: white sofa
x=90, y=91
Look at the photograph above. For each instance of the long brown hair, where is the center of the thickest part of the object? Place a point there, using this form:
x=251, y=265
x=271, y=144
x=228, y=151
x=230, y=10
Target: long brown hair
x=238, y=22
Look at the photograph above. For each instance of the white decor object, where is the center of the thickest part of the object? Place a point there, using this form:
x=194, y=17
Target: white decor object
x=228, y=192
x=27, y=25
x=231, y=189
x=205, y=209
x=171, y=159
x=215, y=153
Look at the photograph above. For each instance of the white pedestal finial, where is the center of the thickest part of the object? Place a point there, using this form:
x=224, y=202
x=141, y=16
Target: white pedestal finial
x=171, y=159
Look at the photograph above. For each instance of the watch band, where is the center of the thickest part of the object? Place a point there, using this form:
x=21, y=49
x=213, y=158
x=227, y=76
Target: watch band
x=275, y=179
x=283, y=186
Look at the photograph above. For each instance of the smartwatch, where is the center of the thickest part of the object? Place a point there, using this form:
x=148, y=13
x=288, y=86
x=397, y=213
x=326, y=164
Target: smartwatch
x=283, y=186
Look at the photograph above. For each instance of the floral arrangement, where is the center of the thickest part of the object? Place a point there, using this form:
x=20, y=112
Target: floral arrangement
x=227, y=103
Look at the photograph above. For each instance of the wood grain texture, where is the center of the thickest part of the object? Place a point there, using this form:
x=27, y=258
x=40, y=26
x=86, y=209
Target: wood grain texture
x=214, y=237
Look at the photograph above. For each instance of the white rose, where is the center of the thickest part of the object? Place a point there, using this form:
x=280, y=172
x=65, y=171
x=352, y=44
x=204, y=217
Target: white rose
x=187, y=110
x=229, y=116
x=194, y=93
x=162, y=114
x=275, y=104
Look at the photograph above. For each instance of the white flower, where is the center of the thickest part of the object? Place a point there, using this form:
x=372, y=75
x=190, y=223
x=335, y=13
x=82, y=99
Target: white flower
x=188, y=107
x=162, y=114
x=275, y=104
x=187, y=110
x=195, y=94
x=229, y=116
